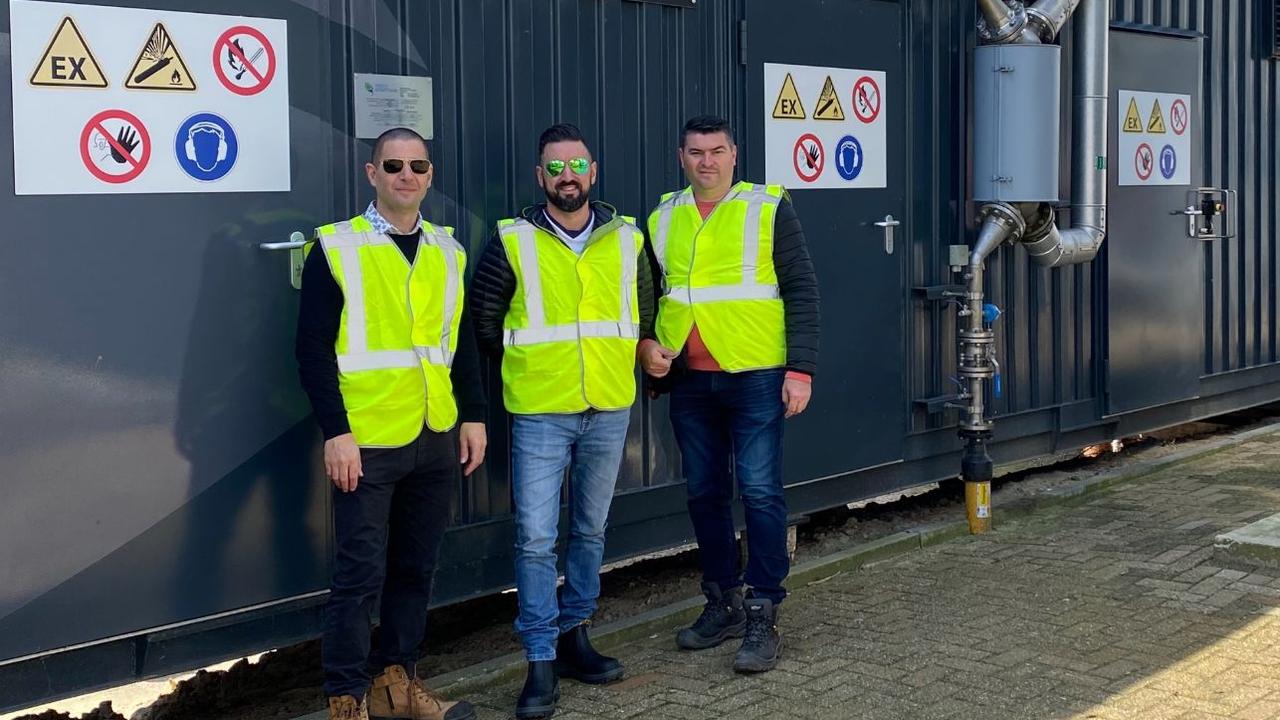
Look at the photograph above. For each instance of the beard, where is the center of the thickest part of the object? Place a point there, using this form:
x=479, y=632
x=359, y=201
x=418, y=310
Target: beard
x=567, y=204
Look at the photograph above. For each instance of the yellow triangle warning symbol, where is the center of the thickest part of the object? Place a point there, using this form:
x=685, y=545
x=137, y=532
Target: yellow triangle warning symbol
x=788, y=106
x=1156, y=123
x=67, y=61
x=159, y=65
x=1132, y=120
x=828, y=107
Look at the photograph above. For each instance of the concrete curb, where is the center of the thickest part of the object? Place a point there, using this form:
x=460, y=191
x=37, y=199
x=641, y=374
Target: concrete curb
x=666, y=619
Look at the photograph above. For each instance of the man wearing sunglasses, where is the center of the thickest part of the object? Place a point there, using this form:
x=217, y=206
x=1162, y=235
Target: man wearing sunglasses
x=739, y=316
x=387, y=355
x=562, y=294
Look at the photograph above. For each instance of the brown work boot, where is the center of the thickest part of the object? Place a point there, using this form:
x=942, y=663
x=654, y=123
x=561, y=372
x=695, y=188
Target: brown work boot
x=397, y=696
x=346, y=707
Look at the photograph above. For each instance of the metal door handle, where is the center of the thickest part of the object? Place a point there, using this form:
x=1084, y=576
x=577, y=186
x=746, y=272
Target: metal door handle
x=888, y=224
x=296, y=241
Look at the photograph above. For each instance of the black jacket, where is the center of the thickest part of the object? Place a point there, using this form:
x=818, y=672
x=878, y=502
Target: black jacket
x=494, y=282
x=798, y=285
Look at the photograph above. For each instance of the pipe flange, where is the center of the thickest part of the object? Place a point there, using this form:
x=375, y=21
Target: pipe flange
x=1045, y=27
x=1009, y=31
x=1040, y=224
x=1005, y=215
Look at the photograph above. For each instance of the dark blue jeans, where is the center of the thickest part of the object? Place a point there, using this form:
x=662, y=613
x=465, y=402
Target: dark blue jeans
x=386, y=539
x=729, y=426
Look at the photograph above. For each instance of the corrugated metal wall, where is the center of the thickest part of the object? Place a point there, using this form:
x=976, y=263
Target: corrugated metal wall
x=1050, y=338
x=627, y=73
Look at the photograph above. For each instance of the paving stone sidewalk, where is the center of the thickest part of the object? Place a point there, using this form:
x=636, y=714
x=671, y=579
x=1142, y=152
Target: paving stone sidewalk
x=1114, y=608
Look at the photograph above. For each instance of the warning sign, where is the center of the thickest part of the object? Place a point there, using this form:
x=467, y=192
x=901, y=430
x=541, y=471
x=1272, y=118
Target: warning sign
x=866, y=99
x=183, y=131
x=1143, y=161
x=1159, y=141
x=1178, y=116
x=809, y=157
x=827, y=143
x=828, y=107
x=240, y=50
x=115, y=146
x=1132, y=118
x=788, y=106
x=67, y=61
x=1155, y=124
x=159, y=65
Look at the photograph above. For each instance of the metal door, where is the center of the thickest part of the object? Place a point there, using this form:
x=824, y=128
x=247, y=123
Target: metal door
x=156, y=444
x=857, y=418
x=1155, y=273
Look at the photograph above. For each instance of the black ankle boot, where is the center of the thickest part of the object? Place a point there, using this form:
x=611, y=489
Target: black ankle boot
x=762, y=644
x=722, y=618
x=541, y=692
x=575, y=658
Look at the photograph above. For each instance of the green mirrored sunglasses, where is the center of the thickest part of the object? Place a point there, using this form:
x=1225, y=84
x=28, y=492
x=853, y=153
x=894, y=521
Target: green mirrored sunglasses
x=578, y=165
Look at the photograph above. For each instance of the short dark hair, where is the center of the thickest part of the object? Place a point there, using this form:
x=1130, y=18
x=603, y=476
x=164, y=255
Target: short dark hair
x=706, y=125
x=560, y=132
x=396, y=133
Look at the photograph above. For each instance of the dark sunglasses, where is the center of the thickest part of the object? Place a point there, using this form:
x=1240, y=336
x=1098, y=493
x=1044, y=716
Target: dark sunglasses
x=578, y=165
x=393, y=166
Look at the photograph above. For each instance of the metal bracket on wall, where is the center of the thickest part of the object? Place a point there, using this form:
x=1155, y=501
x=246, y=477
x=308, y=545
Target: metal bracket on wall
x=939, y=403
x=939, y=293
x=672, y=3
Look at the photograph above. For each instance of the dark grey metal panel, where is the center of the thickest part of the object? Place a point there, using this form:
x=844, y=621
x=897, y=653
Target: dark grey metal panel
x=148, y=382
x=1155, y=349
x=857, y=418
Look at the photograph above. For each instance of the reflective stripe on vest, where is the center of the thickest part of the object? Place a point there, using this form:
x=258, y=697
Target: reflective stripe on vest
x=556, y=361
x=739, y=313
x=394, y=387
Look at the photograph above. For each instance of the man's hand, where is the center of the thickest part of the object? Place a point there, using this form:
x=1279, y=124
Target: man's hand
x=655, y=359
x=342, y=462
x=795, y=395
x=472, y=442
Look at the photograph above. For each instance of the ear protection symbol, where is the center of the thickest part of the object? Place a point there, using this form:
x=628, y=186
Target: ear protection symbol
x=206, y=126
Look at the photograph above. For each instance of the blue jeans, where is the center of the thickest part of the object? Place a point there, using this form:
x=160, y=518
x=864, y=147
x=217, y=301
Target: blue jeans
x=729, y=425
x=543, y=446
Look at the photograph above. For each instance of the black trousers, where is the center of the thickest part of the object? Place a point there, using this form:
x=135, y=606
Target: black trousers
x=386, y=539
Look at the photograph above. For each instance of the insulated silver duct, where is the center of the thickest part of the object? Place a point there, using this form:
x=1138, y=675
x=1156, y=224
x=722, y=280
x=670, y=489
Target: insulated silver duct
x=1047, y=245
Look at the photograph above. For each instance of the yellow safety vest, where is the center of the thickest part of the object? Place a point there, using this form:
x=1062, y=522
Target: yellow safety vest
x=720, y=275
x=570, y=332
x=399, y=329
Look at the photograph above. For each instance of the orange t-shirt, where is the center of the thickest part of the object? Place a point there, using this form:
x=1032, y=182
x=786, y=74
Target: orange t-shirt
x=699, y=356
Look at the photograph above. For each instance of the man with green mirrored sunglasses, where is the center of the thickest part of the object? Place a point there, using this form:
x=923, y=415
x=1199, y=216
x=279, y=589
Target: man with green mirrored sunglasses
x=562, y=294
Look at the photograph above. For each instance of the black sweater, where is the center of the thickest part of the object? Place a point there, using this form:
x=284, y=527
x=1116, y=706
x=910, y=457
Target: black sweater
x=320, y=314
x=494, y=283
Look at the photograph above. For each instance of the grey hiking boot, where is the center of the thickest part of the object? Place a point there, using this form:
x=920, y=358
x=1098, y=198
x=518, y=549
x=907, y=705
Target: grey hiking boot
x=722, y=618
x=762, y=645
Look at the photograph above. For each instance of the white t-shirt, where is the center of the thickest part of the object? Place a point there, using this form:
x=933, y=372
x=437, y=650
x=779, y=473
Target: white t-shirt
x=576, y=242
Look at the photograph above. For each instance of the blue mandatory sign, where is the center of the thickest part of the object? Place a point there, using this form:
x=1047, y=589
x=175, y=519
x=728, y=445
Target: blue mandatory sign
x=849, y=157
x=206, y=147
x=1168, y=162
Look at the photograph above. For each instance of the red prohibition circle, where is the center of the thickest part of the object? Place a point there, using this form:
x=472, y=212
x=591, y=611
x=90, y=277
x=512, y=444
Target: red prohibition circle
x=871, y=99
x=819, y=163
x=138, y=165
x=223, y=45
x=1137, y=161
x=1176, y=111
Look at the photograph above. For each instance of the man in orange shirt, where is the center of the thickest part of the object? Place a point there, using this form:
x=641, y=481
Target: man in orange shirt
x=739, y=317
